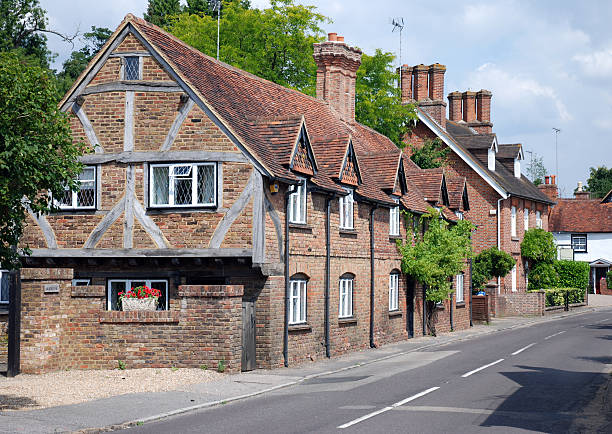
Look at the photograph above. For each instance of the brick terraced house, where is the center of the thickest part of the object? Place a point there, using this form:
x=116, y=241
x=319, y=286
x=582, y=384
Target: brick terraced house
x=267, y=218
x=503, y=203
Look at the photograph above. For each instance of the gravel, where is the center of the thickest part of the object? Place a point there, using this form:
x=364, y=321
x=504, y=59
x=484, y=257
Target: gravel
x=27, y=392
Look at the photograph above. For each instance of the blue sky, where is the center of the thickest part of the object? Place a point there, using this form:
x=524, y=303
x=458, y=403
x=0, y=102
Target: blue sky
x=548, y=63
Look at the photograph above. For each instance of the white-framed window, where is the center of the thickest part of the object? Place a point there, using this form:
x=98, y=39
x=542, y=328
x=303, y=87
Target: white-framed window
x=538, y=220
x=526, y=218
x=345, y=306
x=393, y=291
x=297, y=204
x=513, y=273
x=394, y=219
x=85, y=197
x=81, y=282
x=115, y=286
x=131, y=68
x=346, y=211
x=579, y=242
x=513, y=222
x=183, y=185
x=459, y=215
x=459, y=291
x=4, y=287
x=297, y=301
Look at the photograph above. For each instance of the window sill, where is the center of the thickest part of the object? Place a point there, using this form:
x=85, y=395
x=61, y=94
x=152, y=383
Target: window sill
x=300, y=327
x=86, y=211
x=460, y=304
x=395, y=237
x=180, y=209
x=139, y=317
x=514, y=238
x=349, y=320
x=395, y=313
x=348, y=232
x=304, y=227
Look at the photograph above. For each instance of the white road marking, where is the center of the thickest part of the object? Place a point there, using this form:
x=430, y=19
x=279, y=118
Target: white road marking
x=603, y=320
x=384, y=410
x=556, y=334
x=467, y=374
x=522, y=349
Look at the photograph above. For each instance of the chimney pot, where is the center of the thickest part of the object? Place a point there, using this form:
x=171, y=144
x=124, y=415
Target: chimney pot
x=340, y=38
x=332, y=37
x=553, y=179
x=547, y=179
x=580, y=186
x=406, y=83
x=454, y=106
x=420, y=82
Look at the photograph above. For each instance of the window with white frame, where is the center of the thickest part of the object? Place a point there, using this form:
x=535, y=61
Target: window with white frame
x=579, y=243
x=131, y=68
x=183, y=185
x=346, y=211
x=4, y=287
x=538, y=220
x=513, y=222
x=297, y=301
x=115, y=286
x=81, y=282
x=85, y=196
x=345, y=306
x=459, y=298
x=513, y=273
x=394, y=219
x=526, y=218
x=297, y=204
x=459, y=215
x=394, y=291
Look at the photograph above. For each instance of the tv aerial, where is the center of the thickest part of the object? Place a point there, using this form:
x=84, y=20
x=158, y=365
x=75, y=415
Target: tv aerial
x=215, y=5
x=398, y=25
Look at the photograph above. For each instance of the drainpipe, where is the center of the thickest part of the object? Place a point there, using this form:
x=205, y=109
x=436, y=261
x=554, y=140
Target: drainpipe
x=290, y=190
x=499, y=238
x=327, y=272
x=424, y=310
x=452, y=326
x=372, y=280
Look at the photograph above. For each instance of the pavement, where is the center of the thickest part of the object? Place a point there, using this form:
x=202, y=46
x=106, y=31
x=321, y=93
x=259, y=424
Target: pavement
x=128, y=410
x=597, y=300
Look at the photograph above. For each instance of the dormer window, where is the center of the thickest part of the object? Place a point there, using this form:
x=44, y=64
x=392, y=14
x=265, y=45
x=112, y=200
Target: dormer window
x=517, y=168
x=491, y=159
x=131, y=68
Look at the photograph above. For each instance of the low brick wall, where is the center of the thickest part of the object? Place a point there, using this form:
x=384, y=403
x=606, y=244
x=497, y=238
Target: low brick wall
x=68, y=327
x=521, y=304
x=603, y=287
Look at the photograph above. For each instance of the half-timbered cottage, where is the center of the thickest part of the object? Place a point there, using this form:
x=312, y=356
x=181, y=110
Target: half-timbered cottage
x=267, y=218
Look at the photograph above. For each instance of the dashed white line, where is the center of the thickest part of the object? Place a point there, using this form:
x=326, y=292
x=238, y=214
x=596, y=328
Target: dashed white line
x=556, y=334
x=603, y=320
x=467, y=374
x=391, y=407
x=522, y=349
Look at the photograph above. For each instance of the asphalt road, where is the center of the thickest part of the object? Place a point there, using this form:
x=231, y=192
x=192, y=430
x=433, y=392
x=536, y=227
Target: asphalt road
x=551, y=377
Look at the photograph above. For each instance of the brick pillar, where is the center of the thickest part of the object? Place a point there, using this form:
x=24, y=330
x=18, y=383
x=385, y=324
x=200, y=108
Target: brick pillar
x=436, y=81
x=454, y=106
x=469, y=106
x=421, y=89
x=406, y=83
x=483, y=112
x=43, y=319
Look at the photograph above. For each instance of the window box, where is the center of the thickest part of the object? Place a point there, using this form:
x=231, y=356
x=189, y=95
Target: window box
x=183, y=185
x=115, y=286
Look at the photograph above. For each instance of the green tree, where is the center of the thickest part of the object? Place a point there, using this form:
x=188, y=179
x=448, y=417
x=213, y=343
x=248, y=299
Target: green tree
x=36, y=149
x=79, y=60
x=490, y=263
x=600, y=181
x=22, y=27
x=159, y=12
x=274, y=43
x=378, y=100
x=436, y=258
x=432, y=154
x=536, y=170
x=538, y=248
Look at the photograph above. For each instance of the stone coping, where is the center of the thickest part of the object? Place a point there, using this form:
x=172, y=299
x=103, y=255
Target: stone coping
x=141, y=317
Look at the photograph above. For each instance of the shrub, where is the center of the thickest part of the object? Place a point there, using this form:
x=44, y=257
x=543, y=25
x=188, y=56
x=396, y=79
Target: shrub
x=609, y=279
x=490, y=263
x=543, y=276
x=538, y=246
x=572, y=274
x=556, y=296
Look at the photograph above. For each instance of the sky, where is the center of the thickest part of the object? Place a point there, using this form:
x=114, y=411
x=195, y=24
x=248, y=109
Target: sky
x=547, y=63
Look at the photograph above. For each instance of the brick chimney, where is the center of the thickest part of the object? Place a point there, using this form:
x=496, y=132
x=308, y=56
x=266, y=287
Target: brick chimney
x=483, y=112
x=454, y=107
x=421, y=89
x=549, y=188
x=580, y=194
x=406, y=83
x=337, y=65
x=469, y=106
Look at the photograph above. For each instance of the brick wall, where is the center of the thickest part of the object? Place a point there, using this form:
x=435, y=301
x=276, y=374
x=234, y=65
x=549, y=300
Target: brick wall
x=521, y=304
x=71, y=328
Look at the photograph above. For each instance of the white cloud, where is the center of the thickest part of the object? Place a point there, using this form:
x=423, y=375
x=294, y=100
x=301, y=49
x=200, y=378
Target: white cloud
x=596, y=63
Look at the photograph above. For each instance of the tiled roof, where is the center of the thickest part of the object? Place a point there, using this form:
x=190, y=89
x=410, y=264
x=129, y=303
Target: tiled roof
x=429, y=182
x=456, y=186
x=239, y=99
x=575, y=215
x=476, y=141
x=509, y=150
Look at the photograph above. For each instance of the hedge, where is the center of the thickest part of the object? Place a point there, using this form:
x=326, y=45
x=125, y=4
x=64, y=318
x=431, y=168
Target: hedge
x=572, y=274
x=556, y=296
x=609, y=279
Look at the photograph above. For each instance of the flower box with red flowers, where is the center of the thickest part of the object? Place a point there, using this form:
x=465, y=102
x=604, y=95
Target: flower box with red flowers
x=139, y=298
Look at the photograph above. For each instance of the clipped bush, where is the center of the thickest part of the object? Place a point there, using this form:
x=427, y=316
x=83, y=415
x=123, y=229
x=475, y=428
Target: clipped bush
x=572, y=274
x=609, y=279
x=538, y=246
x=490, y=263
x=543, y=276
x=556, y=296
